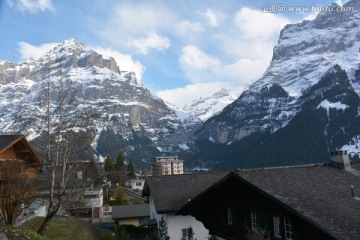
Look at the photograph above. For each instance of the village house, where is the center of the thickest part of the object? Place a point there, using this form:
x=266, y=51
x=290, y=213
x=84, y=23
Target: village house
x=168, y=193
x=135, y=184
x=16, y=148
x=84, y=190
x=297, y=202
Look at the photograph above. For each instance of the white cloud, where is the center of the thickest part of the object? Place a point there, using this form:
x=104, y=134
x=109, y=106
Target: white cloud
x=244, y=71
x=151, y=41
x=197, y=65
x=213, y=18
x=30, y=51
x=193, y=57
x=124, y=61
x=137, y=26
x=214, y=50
x=187, y=29
x=32, y=6
x=255, y=24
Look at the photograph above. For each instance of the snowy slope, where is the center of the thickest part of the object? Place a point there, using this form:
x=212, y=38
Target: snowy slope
x=309, y=94
x=305, y=52
x=206, y=107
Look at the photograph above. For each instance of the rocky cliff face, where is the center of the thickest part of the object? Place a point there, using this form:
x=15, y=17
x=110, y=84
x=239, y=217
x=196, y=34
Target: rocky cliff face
x=96, y=99
x=313, y=63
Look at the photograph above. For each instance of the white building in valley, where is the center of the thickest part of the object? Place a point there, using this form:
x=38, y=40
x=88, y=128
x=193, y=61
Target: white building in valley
x=170, y=165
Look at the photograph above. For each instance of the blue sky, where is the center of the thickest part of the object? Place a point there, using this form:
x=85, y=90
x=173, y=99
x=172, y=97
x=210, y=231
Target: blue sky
x=180, y=49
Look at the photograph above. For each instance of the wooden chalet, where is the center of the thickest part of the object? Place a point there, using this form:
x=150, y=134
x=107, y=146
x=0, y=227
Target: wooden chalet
x=19, y=166
x=292, y=203
x=16, y=147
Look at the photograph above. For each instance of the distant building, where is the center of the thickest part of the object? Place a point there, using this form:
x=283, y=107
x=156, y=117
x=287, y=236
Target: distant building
x=135, y=184
x=170, y=165
x=131, y=214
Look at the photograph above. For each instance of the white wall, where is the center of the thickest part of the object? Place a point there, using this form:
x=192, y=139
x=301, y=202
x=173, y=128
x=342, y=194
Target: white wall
x=176, y=223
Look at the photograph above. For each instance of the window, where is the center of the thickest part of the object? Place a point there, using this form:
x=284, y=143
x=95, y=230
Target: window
x=253, y=221
x=187, y=233
x=138, y=184
x=276, y=223
x=229, y=216
x=107, y=208
x=184, y=233
x=288, y=229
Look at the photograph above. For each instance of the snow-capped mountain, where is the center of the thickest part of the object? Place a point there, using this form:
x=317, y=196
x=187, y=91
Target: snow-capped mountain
x=206, y=107
x=306, y=103
x=96, y=99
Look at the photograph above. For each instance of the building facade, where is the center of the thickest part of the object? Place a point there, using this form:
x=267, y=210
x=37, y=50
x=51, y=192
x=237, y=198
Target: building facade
x=290, y=203
x=167, y=194
x=170, y=165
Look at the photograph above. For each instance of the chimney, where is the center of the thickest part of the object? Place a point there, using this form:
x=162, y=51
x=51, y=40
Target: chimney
x=340, y=159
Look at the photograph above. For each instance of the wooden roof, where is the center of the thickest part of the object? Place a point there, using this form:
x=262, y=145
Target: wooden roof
x=21, y=146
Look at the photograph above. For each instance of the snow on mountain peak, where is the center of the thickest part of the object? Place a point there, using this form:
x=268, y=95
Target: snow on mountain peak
x=308, y=49
x=206, y=107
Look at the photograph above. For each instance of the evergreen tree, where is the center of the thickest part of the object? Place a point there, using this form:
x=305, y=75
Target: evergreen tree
x=130, y=170
x=95, y=173
x=109, y=166
x=120, y=169
x=152, y=233
x=162, y=231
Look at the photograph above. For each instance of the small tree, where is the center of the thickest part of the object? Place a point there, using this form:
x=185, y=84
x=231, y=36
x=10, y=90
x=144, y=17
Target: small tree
x=109, y=168
x=189, y=234
x=130, y=170
x=95, y=173
x=120, y=169
x=162, y=230
x=15, y=190
x=121, y=196
x=109, y=165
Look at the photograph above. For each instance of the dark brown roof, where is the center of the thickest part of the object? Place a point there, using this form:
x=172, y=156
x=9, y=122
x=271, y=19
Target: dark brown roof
x=319, y=193
x=7, y=140
x=130, y=211
x=20, y=141
x=171, y=192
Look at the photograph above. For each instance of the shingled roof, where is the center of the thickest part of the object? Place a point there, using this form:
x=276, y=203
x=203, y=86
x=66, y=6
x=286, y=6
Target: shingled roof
x=22, y=145
x=130, y=211
x=171, y=192
x=321, y=194
x=318, y=194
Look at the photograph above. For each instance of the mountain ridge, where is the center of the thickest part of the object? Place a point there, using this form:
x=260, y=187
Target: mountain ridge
x=92, y=89
x=306, y=53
